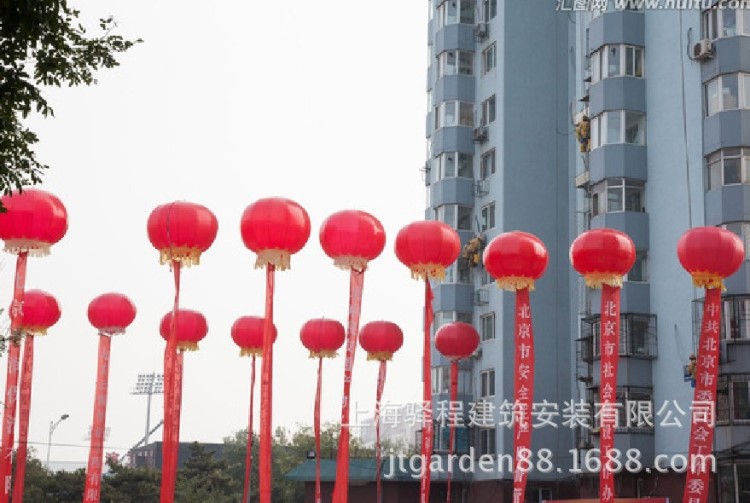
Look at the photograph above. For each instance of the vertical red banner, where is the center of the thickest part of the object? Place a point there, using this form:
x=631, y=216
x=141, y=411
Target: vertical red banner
x=609, y=349
x=11, y=380
x=524, y=392
x=249, y=452
x=378, y=456
x=24, y=412
x=179, y=361
x=704, y=401
x=341, y=487
x=266, y=391
x=92, y=489
x=316, y=430
x=451, y=427
x=424, y=489
x=168, y=435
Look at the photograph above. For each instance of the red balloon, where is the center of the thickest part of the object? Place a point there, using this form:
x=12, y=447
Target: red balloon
x=516, y=259
x=40, y=311
x=34, y=221
x=380, y=339
x=352, y=238
x=274, y=228
x=710, y=254
x=602, y=256
x=456, y=340
x=111, y=313
x=322, y=337
x=427, y=247
x=191, y=328
x=181, y=231
x=247, y=333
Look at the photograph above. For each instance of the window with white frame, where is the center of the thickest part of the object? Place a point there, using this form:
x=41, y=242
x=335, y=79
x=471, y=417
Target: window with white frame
x=441, y=379
x=728, y=166
x=614, y=195
x=487, y=441
x=639, y=272
x=718, y=23
x=455, y=63
x=489, y=58
x=487, y=165
x=443, y=317
x=487, y=383
x=742, y=229
x=455, y=215
x=454, y=113
x=456, y=11
x=616, y=60
x=489, y=10
x=453, y=164
x=730, y=91
x=488, y=110
x=488, y=217
x=618, y=126
x=487, y=326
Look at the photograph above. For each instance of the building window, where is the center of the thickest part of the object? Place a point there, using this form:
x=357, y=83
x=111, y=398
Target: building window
x=453, y=164
x=488, y=110
x=728, y=166
x=489, y=10
x=458, y=217
x=742, y=229
x=735, y=318
x=488, y=217
x=637, y=335
x=458, y=272
x=629, y=399
x=443, y=317
x=730, y=91
x=616, y=61
x=441, y=379
x=455, y=63
x=456, y=11
x=733, y=399
x=454, y=113
x=487, y=383
x=725, y=22
x=487, y=166
x=639, y=272
x=487, y=441
x=617, y=194
x=489, y=58
x=487, y=326
x=618, y=126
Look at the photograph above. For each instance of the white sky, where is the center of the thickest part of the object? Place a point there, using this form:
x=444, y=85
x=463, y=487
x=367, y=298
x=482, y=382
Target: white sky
x=223, y=104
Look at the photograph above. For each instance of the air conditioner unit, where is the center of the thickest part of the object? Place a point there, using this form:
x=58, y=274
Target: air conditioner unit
x=482, y=31
x=480, y=133
x=703, y=50
x=477, y=354
x=481, y=187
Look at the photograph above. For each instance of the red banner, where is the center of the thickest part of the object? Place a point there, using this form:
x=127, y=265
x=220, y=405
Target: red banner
x=609, y=349
x=92, y=490
x=341, y=487
x=524, y=392
x=249, y=451
x=178, y=373
x=11, y=380
x=424, y=489
x=266, y=391
x=316, y=429
x=24, y=411
x=378, y=399
x=704, y=400
x=451, y=427
x=168, y=477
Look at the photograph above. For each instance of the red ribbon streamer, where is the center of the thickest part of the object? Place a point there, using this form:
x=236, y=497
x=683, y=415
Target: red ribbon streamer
x=610, y=353
x=316, y=428
x=524, y=391
x=451, y=428
x=178, y=373
x=11, y=380
x=378, y=399
x=424, y=489
x=24, y=411
x=168, y=473
x=92, y=489
x=704, y=400
x=266, y=391
x=249, y=451
x=341, y=487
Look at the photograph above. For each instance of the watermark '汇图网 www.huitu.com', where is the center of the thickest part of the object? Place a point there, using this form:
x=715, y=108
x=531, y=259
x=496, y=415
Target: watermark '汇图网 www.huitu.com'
x=618, y=5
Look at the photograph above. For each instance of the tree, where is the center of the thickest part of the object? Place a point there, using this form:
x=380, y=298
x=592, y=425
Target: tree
x=204, y=478
x=42, y=43
x=122, y=484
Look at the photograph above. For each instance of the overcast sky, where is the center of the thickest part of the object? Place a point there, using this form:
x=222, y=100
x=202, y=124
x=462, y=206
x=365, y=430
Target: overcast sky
x=224, y=104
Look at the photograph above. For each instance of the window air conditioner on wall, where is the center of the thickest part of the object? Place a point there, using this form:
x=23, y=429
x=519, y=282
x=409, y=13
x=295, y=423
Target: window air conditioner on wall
x=703, y=50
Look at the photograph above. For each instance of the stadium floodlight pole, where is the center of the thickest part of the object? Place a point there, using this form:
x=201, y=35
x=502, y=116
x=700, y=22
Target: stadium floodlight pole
x=149, y=385
x=52, y=426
